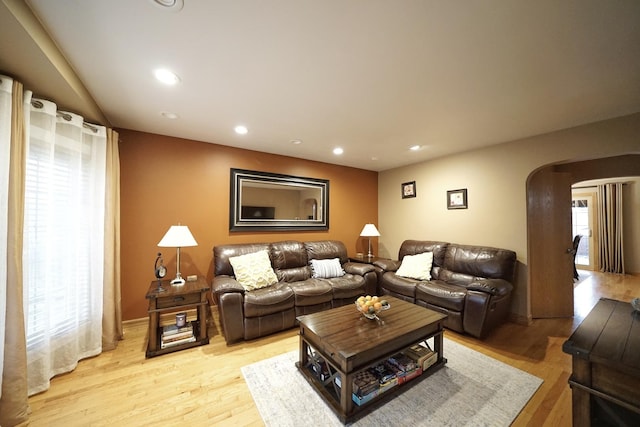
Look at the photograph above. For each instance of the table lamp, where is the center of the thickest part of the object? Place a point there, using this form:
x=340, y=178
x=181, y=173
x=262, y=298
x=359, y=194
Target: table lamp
x=369, y=231
x=178, y=237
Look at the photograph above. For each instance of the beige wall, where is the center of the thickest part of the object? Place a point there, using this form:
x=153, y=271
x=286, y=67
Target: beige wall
x=496, y=181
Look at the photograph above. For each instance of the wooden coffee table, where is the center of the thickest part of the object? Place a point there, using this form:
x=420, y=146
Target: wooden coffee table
x=350, y=343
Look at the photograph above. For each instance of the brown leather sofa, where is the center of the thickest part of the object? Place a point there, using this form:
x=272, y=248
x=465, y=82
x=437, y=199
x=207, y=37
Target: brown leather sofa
x=471, y=284
x=259, y=312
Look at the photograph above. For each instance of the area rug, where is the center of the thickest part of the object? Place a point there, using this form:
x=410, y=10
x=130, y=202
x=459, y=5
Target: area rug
x=471, y=390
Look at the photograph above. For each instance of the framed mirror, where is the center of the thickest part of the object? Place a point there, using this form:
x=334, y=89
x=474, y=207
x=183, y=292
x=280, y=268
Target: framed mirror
x=262, y=201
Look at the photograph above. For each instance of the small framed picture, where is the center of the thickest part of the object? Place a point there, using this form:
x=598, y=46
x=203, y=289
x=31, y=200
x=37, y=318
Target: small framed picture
x=457, y=199
x=408, y=189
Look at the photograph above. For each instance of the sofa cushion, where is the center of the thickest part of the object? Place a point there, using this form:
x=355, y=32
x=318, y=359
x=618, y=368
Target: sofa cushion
x=253, y=271
x=460, y=279
x=481, y=261
x=326, y=249
x=347, y=286
x=416, y=266
x=395, y=284
x=326, y=268
x=412, y=247
x=311, y=292
x=264, y=301
x=442, y=294
x=289, y=260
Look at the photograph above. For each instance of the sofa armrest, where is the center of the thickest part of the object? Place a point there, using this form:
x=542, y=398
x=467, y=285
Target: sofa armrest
x=357, y=268
x=498, y=287
x=231, y=316
x=387, y=264
x=224, y=284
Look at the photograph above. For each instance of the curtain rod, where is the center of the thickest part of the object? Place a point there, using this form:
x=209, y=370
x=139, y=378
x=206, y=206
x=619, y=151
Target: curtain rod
x=596, y=186
x=66, y=116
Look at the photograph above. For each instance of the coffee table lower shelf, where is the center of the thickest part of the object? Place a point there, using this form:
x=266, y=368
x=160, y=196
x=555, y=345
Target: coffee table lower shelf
x=341, y=404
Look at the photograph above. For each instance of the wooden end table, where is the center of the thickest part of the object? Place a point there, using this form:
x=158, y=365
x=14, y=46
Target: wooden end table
x=365, y=259
x=350, y=343
x=172, y=300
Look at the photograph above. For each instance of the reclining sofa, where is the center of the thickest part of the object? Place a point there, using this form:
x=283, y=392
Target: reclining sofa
x=471, y=284
x=248, y=314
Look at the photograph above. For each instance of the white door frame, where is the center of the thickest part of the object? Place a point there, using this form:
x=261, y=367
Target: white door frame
x=591, y=196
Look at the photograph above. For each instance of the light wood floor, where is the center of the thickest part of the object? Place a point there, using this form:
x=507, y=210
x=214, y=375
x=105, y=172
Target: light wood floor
x=204, y=386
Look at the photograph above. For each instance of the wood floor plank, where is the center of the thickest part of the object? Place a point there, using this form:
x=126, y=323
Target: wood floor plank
x=204, y=385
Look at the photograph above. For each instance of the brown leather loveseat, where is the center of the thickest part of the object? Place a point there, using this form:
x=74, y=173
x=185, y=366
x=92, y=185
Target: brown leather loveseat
x=248, y=314
x=471, y=284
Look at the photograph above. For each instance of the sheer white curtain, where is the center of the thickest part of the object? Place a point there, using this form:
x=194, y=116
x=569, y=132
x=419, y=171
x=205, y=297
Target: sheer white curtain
x=63, y=242
x=5, y=149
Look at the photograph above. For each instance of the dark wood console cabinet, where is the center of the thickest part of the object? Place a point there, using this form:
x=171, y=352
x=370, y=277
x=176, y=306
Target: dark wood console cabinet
x=605, y=381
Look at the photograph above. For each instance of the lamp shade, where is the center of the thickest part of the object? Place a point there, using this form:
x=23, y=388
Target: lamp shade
x=369, y=230
x=178, y=236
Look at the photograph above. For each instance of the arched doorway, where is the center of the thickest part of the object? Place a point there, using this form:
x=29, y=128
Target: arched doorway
x=549, y=228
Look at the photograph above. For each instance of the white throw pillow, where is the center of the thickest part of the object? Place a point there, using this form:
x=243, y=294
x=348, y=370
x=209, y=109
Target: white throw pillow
x=253, y=271
x=326, y=268
x=416, y=266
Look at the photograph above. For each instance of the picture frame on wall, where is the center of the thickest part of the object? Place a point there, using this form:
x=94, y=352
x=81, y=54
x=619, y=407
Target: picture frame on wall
x=408, y=189
x=457, y=199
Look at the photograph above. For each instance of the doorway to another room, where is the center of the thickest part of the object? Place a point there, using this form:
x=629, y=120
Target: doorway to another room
x=583, y=224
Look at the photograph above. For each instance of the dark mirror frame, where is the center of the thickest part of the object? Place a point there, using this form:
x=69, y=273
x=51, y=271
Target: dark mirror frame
x=241, y=176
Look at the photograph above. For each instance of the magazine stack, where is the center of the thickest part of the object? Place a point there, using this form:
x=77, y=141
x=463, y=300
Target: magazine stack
x=173, y=335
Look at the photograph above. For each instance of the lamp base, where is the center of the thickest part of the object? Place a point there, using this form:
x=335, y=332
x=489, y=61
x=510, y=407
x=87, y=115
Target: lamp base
x=177, y=281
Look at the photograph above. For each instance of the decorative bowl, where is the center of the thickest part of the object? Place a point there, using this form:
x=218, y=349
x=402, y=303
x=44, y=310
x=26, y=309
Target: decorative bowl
x=635, y=303
x=371, y=310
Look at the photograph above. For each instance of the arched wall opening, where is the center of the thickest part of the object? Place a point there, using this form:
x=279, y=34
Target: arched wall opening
x=549, y=237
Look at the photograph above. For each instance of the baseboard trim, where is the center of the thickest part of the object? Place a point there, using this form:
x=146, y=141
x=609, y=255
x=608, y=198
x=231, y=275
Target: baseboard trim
x=135, y=321
x=519, y=319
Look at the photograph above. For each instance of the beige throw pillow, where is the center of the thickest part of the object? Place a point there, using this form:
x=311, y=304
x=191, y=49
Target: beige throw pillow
x=416, y=266
x=253, y=271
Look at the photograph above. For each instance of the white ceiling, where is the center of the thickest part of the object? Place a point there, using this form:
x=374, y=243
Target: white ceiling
x=371, y=76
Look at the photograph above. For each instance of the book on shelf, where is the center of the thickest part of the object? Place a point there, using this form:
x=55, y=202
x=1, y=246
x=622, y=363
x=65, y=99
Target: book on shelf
x=403, y=362
x=174, y=343
x=176, y=337
x=174, y=329
x=402, y=374
x=387, y=378
x=364, y=382
x=423, y=356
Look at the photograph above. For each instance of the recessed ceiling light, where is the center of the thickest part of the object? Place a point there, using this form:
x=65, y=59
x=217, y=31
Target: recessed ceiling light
x=337, y=151
x=169, y=5
x=166, y=76
x=414, y=148
x=168, y=115
x=241, y=130
x=296, y=141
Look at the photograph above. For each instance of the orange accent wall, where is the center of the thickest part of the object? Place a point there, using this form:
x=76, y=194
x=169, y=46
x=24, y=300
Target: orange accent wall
x=166, y=180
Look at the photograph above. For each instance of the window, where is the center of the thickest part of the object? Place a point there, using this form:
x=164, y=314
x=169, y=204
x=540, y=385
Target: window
x=63, y=243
